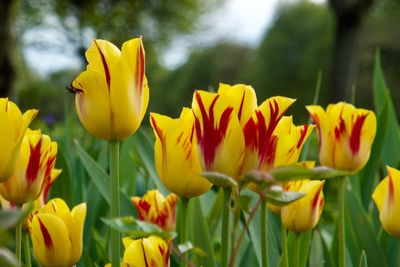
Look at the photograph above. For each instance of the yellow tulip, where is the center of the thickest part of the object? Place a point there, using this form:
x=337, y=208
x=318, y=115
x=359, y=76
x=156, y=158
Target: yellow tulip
x=345, y=135
x=152, y=251
x=56, y=233
x=175, y=153
x=112, y=93
x=13, y=124
x=154, y=208
x=303, y=214
x=35, y=163
x=386, y=197
x=219, y=136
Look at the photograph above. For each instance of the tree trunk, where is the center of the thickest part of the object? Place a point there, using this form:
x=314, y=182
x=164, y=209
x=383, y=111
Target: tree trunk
x=349, y=15
x=7, y=68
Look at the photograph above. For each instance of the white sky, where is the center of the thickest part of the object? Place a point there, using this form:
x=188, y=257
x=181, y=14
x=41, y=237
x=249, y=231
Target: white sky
x=243, y=21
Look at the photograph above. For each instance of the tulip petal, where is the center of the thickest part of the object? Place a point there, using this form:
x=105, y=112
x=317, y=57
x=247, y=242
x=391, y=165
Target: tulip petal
x=242, y=98
x=93, y=106
x=129, y=90
x=50, y=240
x=78, y=215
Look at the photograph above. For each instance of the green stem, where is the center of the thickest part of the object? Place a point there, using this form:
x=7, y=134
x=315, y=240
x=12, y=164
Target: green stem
x=114, y=180
x=285, y=259
x=18, y=240
x=296, y=252
x=184, y=228
x=27, y=248
x=342, y=245
x=264, y=230
x=225, y=227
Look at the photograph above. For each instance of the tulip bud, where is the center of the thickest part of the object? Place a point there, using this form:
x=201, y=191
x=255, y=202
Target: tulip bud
x=303, y=214
x=386, y=197
x=154, y=208
x=112, y=93
x=151, y=251
x=345, y=135
x=35, y=164
x=56, y=233
x=13, y=124
x=175, y=152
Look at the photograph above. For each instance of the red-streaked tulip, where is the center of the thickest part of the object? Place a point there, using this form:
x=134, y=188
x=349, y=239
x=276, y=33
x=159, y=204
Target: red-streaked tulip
x=220, y=139
x=151, y=251
x=386, y=197
x=13, y=124
x=56, y=233
x=345, y=135
x=112, y=93
x=154, y=208
x=176, y=158
x=303, y=214
x=260, y=137
x=34, y=167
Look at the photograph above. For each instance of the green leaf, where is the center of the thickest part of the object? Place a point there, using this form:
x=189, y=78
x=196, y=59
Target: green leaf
x=220, y=179
x=360, y=229
x=96, y=173
x=363, y=260
x=137, y=229
x=282, y=198
x=7, y=258
x=201, y=235
x=297, y=172
x=188, y=247
x=317, y=251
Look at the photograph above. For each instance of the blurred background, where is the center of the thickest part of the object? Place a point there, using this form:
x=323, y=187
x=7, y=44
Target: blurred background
x=277, y=46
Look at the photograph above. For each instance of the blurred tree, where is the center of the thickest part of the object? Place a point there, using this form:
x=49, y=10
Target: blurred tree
x=7, y=70
x=294, y=49
x=349, y=16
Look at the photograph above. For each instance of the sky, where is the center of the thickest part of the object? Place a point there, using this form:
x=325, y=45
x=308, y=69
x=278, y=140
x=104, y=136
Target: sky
x=241, y=21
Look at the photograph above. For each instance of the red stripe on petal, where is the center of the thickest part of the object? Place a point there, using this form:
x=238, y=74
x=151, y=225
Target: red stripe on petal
x=210, y=136
x=140, y=69
x=316, y=200
x=355, y=135
x=46, y=235
x=32, y=169
x=105, y=66
x=241, y=106
x=390, y=188
x=303, y=133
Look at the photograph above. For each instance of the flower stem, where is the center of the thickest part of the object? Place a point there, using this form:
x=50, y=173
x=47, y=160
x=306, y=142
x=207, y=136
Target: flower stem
x=184, y=228
x=225, y=227
x=18, y=240
x=264, y=237
x=342, y=245
x=114, y=180
x=285, y=260
x=27, y=248
x=296, y=252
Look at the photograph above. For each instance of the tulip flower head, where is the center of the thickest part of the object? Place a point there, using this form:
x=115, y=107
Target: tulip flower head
x=303, y=214
x=112, y=93
x=271, y=139
x=386, y=197
x=151, y=251
x=56, y=233
x=175, y=152
x=154, y=208
x=219, y=136
x=13, y=124
x=34, y=168
x=345, y=135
